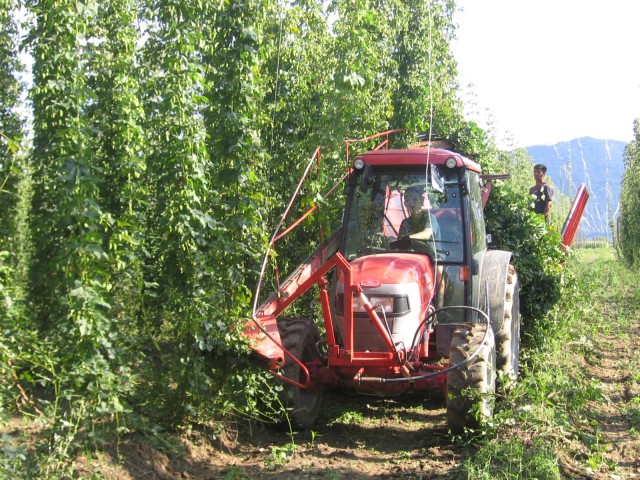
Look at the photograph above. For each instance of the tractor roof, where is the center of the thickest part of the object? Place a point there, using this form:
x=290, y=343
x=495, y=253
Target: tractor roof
x=417, y=156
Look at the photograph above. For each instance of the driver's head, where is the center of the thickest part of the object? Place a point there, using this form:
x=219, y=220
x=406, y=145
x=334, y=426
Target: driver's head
x=415, y=199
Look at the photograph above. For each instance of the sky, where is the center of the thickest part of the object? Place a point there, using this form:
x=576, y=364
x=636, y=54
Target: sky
x=547, y=71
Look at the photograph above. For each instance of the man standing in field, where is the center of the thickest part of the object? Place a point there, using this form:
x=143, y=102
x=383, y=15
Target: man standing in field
x=542, y=192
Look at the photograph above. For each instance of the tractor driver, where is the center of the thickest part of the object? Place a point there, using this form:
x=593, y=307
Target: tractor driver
x=420, y=224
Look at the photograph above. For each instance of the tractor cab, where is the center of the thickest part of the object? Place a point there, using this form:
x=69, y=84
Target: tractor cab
x=415, y=206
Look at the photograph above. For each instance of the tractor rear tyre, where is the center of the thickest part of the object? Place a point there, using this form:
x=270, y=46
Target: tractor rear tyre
x=508, y=337
x=471, y=387
x=300, y=337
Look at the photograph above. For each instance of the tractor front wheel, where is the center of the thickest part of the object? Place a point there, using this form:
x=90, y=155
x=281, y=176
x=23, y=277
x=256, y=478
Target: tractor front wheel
x=471, y=387
x=300, y=337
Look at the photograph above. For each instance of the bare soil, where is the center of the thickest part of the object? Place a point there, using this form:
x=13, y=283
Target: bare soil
x=356, y=438
x=615, y=363
x=360, y=438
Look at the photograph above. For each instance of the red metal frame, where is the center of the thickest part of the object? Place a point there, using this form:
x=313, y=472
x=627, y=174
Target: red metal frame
x=415, y=156
x=384, y=145
x=571, y=224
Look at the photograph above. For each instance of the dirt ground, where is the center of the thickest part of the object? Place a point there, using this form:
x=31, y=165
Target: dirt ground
x=615, y=363
x=356, y=438
x=360, y=438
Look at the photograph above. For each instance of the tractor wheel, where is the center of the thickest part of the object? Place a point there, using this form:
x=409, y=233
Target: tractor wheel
x=471, y=388
x=300, y=336
x=508, y=337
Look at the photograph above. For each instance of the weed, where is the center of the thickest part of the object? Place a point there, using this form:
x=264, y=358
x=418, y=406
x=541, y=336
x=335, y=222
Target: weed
x=13, y=458
x=314, y=434
x=349, y=418
x=235, y=473
x=401, y=456
x=333, y=476
x=513, y=459
x=554, y=398
x=597, y=462
x=633, y=413
x=281, y=455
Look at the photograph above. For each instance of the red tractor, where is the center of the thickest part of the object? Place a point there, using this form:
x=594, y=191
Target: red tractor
x=412, y=298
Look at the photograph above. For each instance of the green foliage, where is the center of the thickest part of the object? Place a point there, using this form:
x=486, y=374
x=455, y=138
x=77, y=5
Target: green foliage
x=10, y=156
x=10, y=90
x=349, y=418
x=281, y=455
x=81, y=359
x=177, y=221
x=424, y=99
x=518, y=164
x=537, y=253
x=514, y=459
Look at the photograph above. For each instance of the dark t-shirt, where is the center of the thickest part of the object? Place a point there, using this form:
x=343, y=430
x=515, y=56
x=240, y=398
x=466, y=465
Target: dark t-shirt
x=410, y=225
x=543, y=194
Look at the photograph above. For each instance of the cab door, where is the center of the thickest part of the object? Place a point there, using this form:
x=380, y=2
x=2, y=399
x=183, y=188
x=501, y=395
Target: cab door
x=478, y=237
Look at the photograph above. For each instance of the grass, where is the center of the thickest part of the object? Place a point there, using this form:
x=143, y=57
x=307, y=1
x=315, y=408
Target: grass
x=545, y=427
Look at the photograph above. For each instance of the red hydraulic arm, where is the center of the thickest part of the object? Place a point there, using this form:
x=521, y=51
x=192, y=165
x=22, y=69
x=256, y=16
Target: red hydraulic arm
x=570, y=227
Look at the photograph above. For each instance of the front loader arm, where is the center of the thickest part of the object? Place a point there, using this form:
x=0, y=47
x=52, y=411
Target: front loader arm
x=262, y=329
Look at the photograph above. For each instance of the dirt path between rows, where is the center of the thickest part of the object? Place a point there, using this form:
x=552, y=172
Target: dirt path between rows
x=615, y=364
x=356, y=438
x=360, y=438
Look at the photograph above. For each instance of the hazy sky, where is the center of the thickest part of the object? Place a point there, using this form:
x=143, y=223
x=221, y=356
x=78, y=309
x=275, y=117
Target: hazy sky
x=546, y=71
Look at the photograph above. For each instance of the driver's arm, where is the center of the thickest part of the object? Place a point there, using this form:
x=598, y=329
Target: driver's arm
x=428, y=232
x=425, y=234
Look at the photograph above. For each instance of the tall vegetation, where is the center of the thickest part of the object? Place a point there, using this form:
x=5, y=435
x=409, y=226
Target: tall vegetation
x=11, y=133
x=537, y=251
x=628, y=232
x=11, y=171
x=166, y=136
